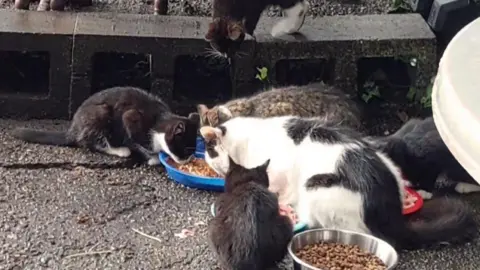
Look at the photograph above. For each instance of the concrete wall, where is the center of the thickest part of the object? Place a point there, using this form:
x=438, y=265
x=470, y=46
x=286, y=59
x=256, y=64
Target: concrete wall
x=71, y=39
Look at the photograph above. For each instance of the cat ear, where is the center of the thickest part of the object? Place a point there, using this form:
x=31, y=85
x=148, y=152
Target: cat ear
x=212, y=29
x=210, y=133
x=265, y=164
x=179, y=128
x=235, y=30
x=202, y=109
x=231, y=162
x=195, y=117
x=224, y=114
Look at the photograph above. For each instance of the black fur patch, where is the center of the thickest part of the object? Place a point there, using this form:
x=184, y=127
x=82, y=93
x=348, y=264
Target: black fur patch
x=322, y=180
x=362, y=170
x=223, y=129
x=210, y=148
x=298, y=129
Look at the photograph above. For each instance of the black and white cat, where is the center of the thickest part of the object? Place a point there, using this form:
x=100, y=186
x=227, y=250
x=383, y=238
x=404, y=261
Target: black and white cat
x=119, y=120
x=334, y=179
x=424, y=158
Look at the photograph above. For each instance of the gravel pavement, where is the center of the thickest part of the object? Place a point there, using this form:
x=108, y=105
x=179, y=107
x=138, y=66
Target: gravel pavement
x=204, y=7
x=63, y=208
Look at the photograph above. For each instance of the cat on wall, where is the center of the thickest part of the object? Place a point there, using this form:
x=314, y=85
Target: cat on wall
x=232, y=19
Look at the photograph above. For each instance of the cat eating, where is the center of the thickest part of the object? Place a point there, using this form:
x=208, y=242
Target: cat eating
x=423, y=157
x=316, y=99
x=248, y=231
x=334, y=179
x=232, y=19
x=119, y=120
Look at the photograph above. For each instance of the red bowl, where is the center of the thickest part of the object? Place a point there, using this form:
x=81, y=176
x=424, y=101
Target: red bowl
x=418, y=204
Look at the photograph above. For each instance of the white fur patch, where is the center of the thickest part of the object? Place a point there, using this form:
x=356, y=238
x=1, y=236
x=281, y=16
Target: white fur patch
x=117, y=151
x=153, y=161
x=159, y=144
x=333, y=207
x=465, y=188
x=425, y=194
x=293, y=20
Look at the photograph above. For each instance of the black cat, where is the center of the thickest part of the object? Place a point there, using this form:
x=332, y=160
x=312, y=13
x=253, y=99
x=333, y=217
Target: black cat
x=232, y=19
x=423, y=157
x=248, y=232
x=119, y=120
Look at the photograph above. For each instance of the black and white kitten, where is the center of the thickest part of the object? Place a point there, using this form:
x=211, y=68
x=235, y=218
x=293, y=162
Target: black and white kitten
x=119, y=120
x=232, y=19
x=423, y=157
x=334, y=179
x=248, y=232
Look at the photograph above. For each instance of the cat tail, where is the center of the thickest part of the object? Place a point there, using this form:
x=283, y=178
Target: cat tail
x=43, y=137
x=441, y=220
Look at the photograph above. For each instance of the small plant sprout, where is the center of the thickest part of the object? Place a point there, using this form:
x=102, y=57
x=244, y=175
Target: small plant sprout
x=370, y=90
x=262, y=75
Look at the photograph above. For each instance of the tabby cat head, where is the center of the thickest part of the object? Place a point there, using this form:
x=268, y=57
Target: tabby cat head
x=214, y=116
x=225, y=36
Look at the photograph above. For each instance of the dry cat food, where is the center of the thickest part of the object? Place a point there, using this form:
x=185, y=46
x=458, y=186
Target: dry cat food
x=409, y=200
x=335, y=256
x=196, y=166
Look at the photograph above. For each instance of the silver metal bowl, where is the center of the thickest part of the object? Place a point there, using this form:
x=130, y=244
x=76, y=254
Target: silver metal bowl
x=365, y=242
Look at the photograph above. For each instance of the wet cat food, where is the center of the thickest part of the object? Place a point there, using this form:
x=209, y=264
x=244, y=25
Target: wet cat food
x=335, y=256
x=197, y=166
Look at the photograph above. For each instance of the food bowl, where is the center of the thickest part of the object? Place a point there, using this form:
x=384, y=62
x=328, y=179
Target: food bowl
x=299, y=227
x=367, y=243
x=190, y=180
x=200, y=148
x=418, y=203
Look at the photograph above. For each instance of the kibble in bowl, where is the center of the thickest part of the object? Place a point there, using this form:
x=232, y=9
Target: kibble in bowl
x=330, y=249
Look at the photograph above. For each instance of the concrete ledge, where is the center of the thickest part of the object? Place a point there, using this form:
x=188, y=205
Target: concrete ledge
x=74, y=38
x=346, y=39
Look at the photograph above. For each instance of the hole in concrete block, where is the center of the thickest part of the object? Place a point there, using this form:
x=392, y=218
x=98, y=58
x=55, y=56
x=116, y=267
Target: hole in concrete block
x=303, y=71
x=392, y=76
x=120, y=69
x=24, y=73
x=200, y=79
x=384, y=85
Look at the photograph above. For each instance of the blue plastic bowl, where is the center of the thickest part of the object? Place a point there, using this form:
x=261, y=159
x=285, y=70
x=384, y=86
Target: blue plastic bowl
x=200, y=148
x=299, y=227
x=193, y=181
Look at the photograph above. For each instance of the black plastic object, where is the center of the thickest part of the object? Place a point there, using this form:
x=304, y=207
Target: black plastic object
x=447, y=17
x=421, y=6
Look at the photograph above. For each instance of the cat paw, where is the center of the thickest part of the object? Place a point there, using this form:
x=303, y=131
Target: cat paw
x=119, y=151
x=154, y=161
x=425, y=194
x=279, y=29
x=464, y=188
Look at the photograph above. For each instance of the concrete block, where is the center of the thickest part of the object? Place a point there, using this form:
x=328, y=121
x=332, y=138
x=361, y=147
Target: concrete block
x=24, y=31
x=345, y=39
x=162, y=37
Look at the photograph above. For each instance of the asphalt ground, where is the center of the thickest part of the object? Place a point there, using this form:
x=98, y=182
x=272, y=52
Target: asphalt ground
x=65, y=208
